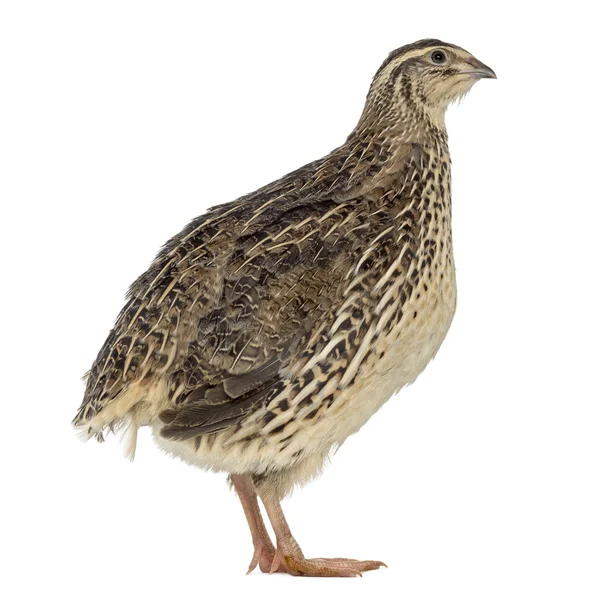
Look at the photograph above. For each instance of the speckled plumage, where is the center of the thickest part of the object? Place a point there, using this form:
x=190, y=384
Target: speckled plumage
x=272, y=327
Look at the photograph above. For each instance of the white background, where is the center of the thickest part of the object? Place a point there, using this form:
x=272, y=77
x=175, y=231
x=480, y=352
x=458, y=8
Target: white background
x=120, y=121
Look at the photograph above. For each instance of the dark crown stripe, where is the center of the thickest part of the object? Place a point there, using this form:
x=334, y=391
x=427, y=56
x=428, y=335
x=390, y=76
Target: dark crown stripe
x=423, y=44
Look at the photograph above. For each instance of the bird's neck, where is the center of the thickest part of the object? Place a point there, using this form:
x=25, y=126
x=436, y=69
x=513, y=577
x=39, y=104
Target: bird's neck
x=416, y=123
x=380, y=147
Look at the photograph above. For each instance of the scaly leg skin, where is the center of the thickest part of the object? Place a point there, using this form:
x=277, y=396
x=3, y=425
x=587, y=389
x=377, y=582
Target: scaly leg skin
x=289, y=556
x=264, y=551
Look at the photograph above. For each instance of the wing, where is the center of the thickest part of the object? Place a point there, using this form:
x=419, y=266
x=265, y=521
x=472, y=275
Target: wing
x=277, y=293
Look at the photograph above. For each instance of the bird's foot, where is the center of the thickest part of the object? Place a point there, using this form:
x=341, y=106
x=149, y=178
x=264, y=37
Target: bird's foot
x=296, y=564
x=264, y=555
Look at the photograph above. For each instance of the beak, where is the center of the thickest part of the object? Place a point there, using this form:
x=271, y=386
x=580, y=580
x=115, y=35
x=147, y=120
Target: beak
x=479, y=70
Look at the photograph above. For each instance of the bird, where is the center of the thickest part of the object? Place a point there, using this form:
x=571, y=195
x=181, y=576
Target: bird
x=272, y=327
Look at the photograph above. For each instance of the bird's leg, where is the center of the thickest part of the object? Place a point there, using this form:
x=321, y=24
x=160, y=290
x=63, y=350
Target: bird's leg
x=289, y=555
x=264, y=551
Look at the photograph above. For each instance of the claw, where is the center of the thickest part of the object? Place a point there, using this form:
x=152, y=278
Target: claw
x=276, y=563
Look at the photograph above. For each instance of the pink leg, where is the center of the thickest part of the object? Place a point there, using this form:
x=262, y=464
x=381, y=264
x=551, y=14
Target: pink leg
x=290, y=558
x=264, y=551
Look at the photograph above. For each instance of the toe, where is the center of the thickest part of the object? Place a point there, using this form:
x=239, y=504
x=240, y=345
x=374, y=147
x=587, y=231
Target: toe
x=264, y=558
x=324, y=567
x=352, y=563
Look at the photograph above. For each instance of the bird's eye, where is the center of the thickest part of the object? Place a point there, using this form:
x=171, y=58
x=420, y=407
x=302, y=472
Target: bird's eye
x=438, y=57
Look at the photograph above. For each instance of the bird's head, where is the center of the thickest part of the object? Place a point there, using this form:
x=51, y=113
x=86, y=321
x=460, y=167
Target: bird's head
x=422, y=79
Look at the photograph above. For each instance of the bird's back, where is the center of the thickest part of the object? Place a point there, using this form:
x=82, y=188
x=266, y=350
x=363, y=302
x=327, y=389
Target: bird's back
x=290, y=290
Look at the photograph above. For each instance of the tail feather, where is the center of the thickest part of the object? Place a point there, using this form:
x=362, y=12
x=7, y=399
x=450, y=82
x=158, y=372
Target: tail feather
x=133, y=407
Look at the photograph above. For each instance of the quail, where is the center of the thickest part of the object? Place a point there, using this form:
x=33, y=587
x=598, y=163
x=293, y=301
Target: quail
x=272, y=327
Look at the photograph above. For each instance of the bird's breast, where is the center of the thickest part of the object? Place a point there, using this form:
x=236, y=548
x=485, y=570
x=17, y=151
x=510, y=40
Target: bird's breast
x=398, y=357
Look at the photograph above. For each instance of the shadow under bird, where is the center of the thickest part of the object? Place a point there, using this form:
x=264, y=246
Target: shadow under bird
x=272, y=327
